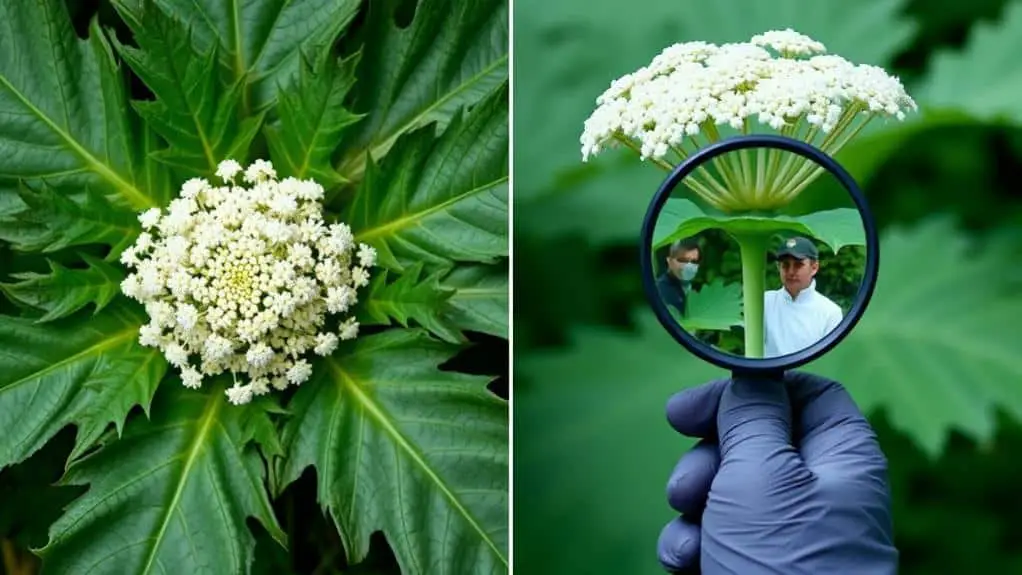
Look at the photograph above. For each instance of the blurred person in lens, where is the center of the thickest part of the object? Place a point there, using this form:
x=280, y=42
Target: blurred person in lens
x=682, y=266
x=796, y=316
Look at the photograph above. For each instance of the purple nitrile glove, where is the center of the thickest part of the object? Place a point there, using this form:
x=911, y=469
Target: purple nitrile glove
x=788, y=479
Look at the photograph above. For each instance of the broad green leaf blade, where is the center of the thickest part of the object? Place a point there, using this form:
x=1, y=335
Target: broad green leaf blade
x=681, y=218
x=258, y=41
x=938, y=346
x=440, y=200
x=63, y=103
x=480, y=299
x=984, y=78
x=589, y=427
x=409, y=297
x=192, y=111
x=402, y=446
x=86, y=370
x=64, y=290
x=573, y=50
x=715, y=306
x=47, y=219
x=312, y=117
x=172, y=495
x=453, y=54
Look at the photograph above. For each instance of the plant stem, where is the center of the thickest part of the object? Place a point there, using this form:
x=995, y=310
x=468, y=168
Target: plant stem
x=753, y=247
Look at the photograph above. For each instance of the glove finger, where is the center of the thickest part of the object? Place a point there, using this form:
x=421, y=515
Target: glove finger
x=689, y=484
x=833, y=435
x=754, y=423
x=678, y=545
x=693, y=411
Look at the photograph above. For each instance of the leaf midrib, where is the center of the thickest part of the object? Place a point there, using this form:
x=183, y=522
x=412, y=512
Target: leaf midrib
x=357, y=163
x=198, y=442
x=131, y=193
x=412, y=218
x=377, y=412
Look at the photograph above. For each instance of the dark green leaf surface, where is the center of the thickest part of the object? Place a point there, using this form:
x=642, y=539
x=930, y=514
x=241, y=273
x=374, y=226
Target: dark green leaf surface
x=312, y=117
x=170, y=496
x=258, y=41
x=64, y=291
x=409, y=297
x=401, y=446
x=47, y=219
x=984, y=78
x=453, y=54
x=63, y=103
x=480, y=298
x=192, y=111
x=440, y=200
x=85, y=369
x=681, y=218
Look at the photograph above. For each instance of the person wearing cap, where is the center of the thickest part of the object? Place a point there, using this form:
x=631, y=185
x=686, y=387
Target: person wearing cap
x=796, y=316
x=682, y=266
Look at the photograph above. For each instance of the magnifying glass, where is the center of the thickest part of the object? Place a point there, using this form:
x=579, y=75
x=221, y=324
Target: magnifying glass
x=753, y=259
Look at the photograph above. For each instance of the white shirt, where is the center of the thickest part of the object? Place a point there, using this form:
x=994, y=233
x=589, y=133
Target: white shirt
x=791, y=325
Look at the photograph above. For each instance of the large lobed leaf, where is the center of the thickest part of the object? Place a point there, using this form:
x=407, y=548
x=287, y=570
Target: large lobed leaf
x=258, y=42
x=48, y=219
x=192, y=111
x=682, y=218
x=311, y=118
x=402, y=446
x=87, y=370
x=63, y=104
x=64, y=290
x=452, y=54
x=440, y=200
x=172, y=495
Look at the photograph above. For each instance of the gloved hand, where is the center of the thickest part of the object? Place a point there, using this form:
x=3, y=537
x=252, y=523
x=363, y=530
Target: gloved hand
x=788, y=479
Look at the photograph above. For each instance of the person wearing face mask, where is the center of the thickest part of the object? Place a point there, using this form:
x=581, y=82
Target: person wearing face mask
x=796, y=316
x=682, y=266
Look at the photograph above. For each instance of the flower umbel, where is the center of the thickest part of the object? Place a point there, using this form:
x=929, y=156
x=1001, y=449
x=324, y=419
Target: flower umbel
x=782, y=80
x=242, y=279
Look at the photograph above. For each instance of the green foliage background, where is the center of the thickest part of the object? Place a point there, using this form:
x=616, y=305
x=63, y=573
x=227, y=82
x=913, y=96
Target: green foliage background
x=393, y=457
x=934, y=361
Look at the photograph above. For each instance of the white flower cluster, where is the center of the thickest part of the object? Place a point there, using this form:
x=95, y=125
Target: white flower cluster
x=692, y=87
x=241, y=278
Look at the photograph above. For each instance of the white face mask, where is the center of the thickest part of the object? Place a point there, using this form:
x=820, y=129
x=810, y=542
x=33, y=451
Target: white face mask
x=688, y=271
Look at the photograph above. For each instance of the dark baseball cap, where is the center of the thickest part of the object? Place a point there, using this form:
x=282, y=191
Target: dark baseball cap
x=797, y=247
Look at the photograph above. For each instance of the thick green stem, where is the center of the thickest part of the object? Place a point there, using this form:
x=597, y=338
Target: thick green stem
x=753, y=247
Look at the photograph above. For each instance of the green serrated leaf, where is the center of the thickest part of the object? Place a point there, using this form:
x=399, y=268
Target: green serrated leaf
x=47, y=219
x=681, y=217
x=938, y=345
x=192, y=111
x=715, y=306
x=401, y=446
x=312, y=116
x=409, y=297
x=480, y=299
x=64, y=291
x=85, y=370
x=440, y=200
x=453, y=54
x=63, y=112
x=172, y=494
x=983, y=79
x=258, y=41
